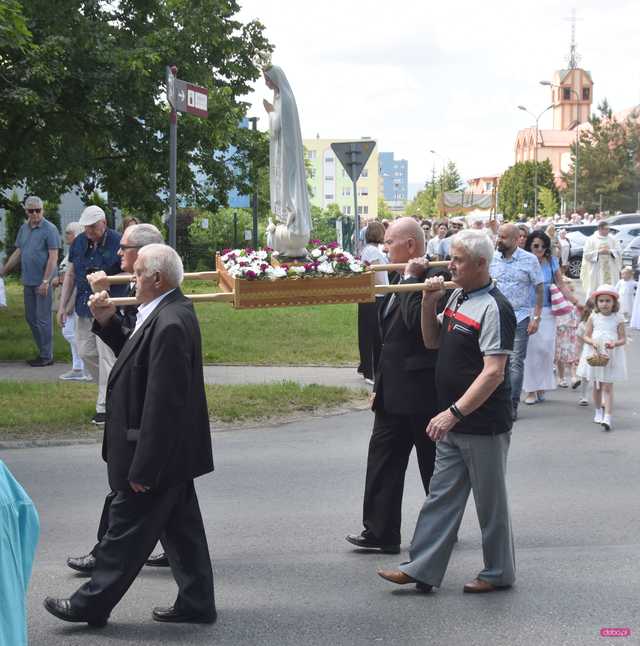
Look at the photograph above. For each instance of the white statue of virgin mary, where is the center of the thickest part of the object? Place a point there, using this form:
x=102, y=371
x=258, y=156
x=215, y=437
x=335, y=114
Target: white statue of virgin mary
x=287, y=177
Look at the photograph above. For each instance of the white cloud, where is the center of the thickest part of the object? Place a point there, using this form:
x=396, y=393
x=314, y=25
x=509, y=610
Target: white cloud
x=446, y=76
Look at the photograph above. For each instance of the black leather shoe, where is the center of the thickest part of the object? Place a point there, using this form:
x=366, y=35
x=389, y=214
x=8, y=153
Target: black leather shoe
x=368, y=544
x=171, y=615
x=40, y=362
x=84, y=564
x=158, y=560
x=62, y=609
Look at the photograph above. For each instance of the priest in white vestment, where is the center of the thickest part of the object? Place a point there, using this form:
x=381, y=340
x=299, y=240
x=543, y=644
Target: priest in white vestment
x=601, y=260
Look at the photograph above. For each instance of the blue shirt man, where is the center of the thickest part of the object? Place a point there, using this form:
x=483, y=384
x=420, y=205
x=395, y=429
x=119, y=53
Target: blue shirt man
x=517, y=273
x=37, y=245
x=88, y=256
x=94, y=250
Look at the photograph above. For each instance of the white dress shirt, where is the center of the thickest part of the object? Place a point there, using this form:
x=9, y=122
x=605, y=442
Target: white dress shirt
x=144, y=311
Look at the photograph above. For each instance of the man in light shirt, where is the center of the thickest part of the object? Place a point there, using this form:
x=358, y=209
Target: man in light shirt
x=517, y=273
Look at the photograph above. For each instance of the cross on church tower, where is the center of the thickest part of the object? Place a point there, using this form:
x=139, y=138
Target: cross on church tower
x=572, y=88
x=574, y=57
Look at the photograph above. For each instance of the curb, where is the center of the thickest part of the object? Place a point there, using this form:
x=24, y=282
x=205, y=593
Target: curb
x=216, y=427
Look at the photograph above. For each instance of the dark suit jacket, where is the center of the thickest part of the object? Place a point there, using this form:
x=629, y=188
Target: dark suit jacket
x=405, y=375
x=157, y=424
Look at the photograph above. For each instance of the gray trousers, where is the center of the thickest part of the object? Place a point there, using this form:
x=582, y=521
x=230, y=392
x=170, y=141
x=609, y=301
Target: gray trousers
x=465, y=463
x=516, y=360
x=97, y=356
x=37, y=311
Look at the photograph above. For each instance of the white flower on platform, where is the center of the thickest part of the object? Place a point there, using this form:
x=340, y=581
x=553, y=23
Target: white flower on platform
x=355, y=267
x=316, y=253
x=297, y=269
x=325, y=268
x=261, y=255
x=276, y=272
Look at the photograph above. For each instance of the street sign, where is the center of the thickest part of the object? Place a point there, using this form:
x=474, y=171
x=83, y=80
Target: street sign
x=186, y=97
x=197, y=98
x=354, y=155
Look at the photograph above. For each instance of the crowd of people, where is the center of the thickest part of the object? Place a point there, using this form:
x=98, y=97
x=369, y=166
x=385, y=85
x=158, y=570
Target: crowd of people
x=552, y=311
x=449, y=366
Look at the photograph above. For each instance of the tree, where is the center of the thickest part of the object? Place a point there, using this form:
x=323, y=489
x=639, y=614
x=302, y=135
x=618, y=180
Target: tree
x=384, y=212
x=14, y=32
x=547, y=202
x=450, y=179
x=323, y=222
x=608, y=170
x=517, y=188
x=83, y=105
x=426, y=202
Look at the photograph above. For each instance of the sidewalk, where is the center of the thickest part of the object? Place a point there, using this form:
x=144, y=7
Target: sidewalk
x=322, y=375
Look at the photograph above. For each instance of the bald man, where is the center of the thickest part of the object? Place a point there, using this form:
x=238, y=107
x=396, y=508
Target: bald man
x=519, y=277
x=403, y=399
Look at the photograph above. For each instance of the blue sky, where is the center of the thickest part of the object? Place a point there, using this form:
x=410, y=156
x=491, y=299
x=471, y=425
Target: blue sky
x=446, y=76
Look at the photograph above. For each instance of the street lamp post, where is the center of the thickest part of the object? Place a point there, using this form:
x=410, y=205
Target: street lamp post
x=535, y=158
x=575, y=170
x=433, y=152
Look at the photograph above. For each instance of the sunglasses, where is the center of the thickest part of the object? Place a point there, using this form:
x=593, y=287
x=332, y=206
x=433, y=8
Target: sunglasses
x=537, y=245
x=124, y=247
x=30, y=211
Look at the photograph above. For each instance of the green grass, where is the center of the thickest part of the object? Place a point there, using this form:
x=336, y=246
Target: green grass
x=53, y=410
x=321, y=334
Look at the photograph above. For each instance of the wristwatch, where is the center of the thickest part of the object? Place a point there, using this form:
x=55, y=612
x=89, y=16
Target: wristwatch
x=537, y=318
x=45, y=281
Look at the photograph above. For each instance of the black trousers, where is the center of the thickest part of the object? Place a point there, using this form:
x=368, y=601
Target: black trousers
x=103, y=525
x=390, y=445
x=136, y=521
x=369, y=342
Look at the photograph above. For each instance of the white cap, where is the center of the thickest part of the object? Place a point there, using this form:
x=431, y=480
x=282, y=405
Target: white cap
x=91, y=215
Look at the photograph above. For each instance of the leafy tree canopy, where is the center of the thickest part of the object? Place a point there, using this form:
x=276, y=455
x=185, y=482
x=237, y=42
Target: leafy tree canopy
x=517, y=188
x=608, y=163
x=82, y=103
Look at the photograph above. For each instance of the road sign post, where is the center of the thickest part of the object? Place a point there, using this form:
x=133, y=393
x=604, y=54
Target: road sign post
x=353, y=156
x=182, y=97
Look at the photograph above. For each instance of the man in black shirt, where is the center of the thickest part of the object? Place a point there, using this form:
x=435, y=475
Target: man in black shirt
x=474, y=337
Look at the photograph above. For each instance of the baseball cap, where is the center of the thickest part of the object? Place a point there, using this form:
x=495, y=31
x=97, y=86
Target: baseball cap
x=91, y=215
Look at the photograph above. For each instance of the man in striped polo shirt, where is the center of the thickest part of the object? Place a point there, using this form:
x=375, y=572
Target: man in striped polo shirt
x=474, y=337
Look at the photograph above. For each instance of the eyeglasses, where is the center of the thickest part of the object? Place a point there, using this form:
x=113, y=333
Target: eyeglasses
x=30, y=211
x=536, y=245
x=124, y=247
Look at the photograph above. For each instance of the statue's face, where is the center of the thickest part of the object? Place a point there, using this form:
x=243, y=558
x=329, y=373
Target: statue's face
x=270, y=84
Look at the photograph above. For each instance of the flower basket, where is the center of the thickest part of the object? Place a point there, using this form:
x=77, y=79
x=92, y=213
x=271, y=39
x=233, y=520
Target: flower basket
x=598, y=360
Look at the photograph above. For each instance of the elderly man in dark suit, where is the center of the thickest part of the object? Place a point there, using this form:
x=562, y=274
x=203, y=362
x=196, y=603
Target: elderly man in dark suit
x=404, y=397
x=133, y=239
x=156, y=441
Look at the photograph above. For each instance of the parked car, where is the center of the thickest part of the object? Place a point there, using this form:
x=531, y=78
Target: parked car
x=625, y=233
x=630, y=256
x=624, y=218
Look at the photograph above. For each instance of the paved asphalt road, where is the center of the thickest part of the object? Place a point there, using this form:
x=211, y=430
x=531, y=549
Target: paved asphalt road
x=282, y=499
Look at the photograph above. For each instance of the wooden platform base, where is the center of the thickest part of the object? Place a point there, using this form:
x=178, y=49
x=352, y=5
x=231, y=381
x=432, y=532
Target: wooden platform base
x=286, y=292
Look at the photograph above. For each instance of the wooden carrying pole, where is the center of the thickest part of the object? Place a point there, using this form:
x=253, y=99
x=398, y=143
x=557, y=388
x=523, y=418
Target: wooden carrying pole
x=401, y=265
x=125, y=279
x=411, y=287
x=228, y=297
x=220, y=297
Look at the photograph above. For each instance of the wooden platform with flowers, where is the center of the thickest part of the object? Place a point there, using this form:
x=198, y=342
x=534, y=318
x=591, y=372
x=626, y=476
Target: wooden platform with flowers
x=257, y=279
